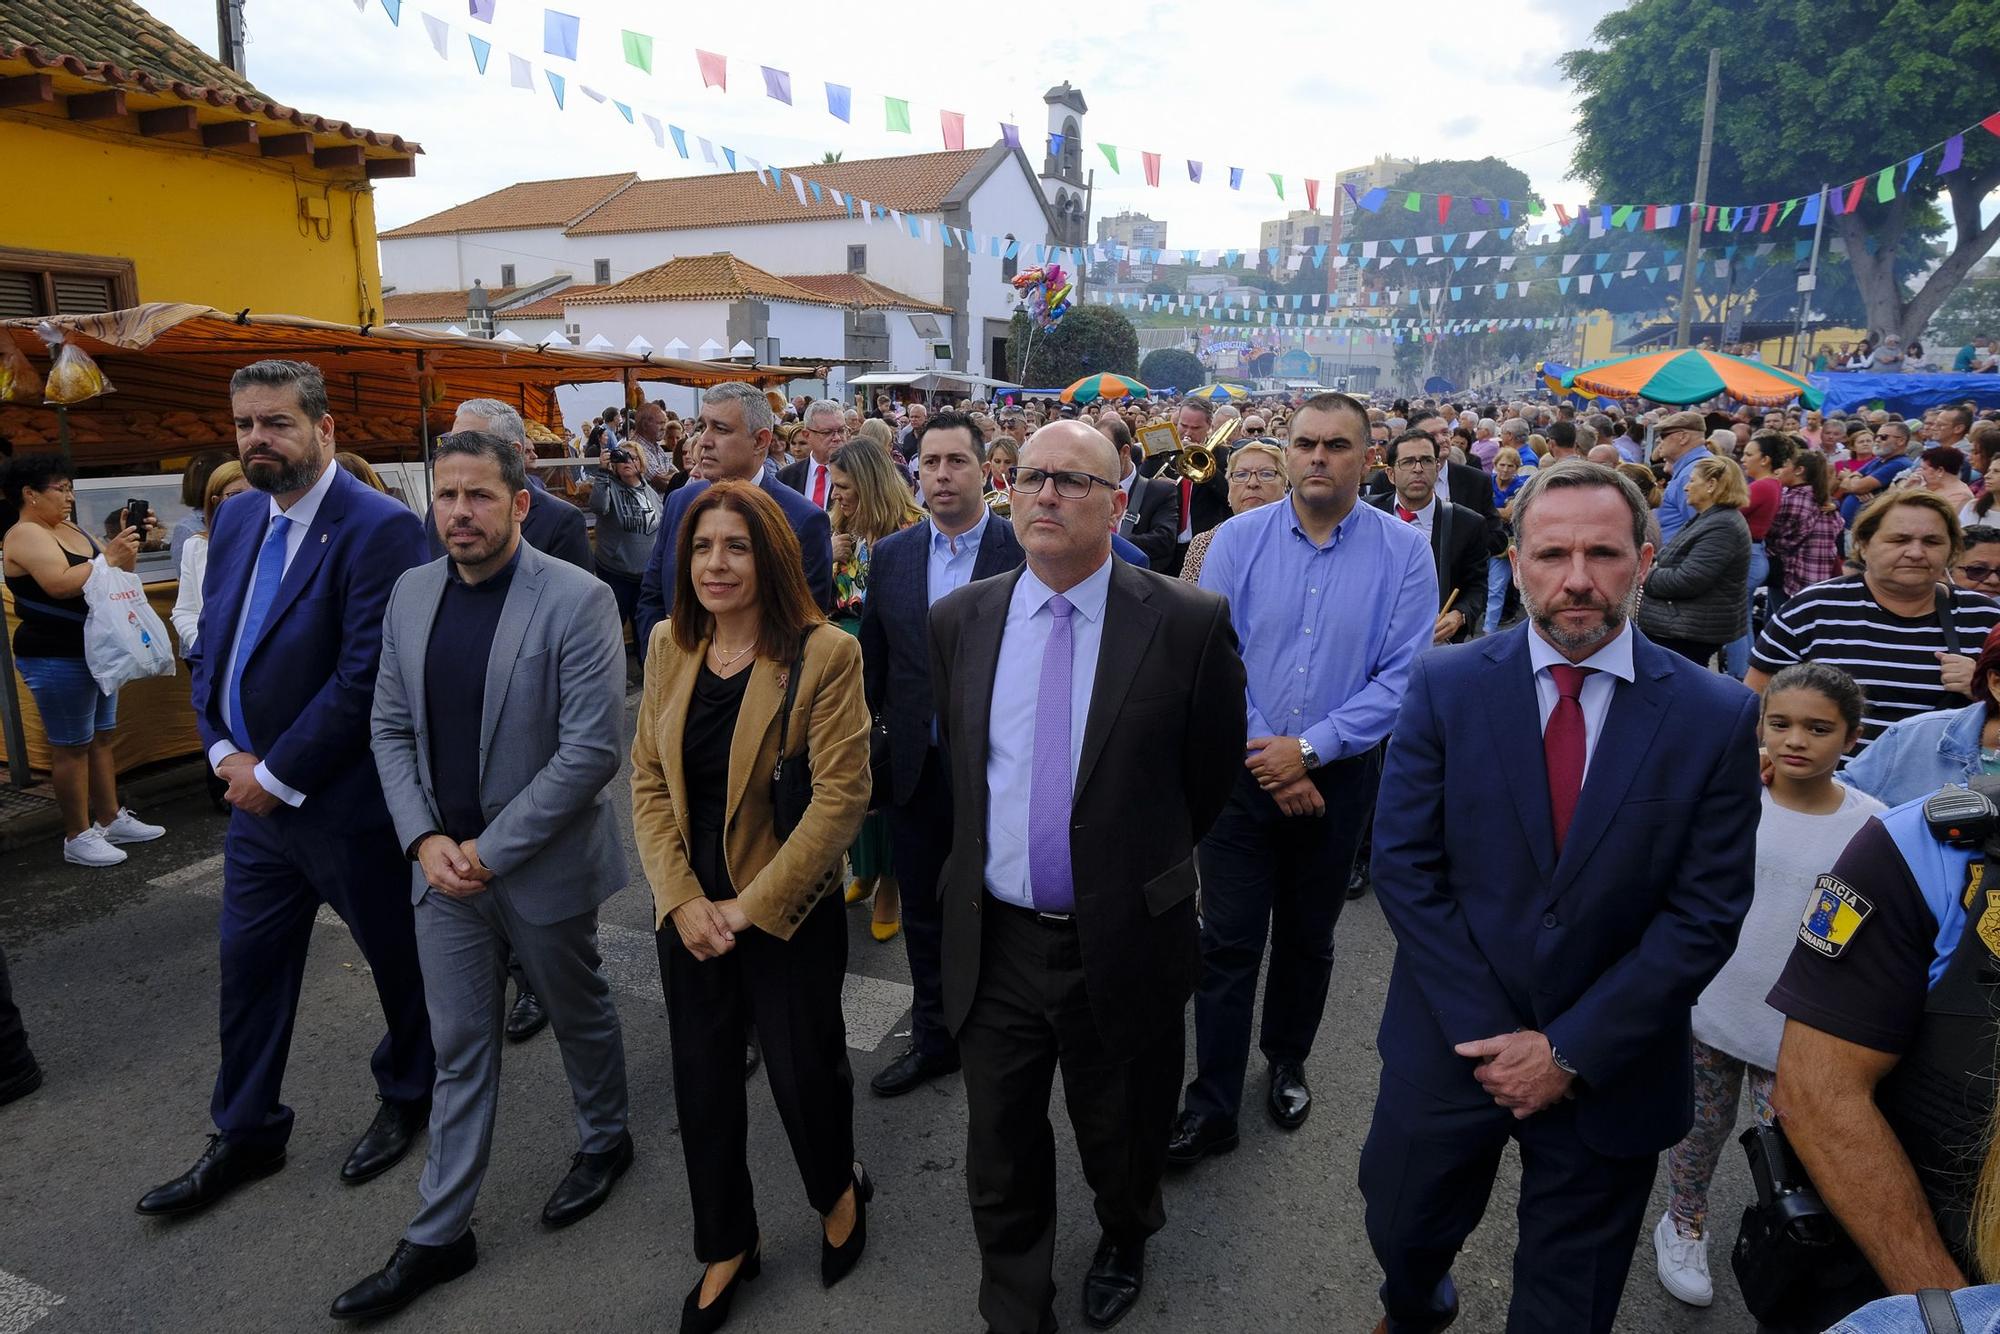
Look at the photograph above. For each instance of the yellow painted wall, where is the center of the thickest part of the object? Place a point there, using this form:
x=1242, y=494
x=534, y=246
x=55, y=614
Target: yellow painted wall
x=199, y=225
x=1597, y=338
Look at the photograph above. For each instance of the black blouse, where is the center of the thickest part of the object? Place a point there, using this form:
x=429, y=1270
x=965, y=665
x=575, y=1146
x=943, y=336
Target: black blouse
x=705, y=746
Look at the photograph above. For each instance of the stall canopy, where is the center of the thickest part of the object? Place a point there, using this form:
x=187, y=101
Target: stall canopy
x=1905, y=394
x=927, y=381
x=169, y=367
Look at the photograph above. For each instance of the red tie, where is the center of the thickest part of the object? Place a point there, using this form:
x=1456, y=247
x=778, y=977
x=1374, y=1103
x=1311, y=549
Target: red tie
x=819, y=487
x=1407, y=516
x=1187, y=504
x=1563, y=747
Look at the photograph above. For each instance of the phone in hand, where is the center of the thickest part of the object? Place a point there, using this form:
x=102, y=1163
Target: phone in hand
x=136, y=513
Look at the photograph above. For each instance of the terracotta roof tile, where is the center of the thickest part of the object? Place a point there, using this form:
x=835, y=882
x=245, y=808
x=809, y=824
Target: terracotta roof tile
x=720, y=277
x=433, y=307
x=916, y=183
x=117, y=43
x=851, y=289
x=557, y=203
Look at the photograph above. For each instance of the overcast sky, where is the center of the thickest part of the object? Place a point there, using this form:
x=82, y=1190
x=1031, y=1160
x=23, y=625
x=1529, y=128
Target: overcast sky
x=1267, y=85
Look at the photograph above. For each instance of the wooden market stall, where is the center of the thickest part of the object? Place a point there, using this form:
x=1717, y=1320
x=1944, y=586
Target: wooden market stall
x=390, y=391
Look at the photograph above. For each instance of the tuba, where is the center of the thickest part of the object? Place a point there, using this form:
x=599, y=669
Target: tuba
x=1198, y=463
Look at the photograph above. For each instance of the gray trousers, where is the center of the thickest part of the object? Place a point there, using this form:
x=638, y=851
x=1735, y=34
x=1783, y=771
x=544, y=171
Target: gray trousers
x=463, y=944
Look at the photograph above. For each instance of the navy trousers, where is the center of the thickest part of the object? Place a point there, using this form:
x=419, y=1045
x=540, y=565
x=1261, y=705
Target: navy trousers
x=276, y=872
x=919, y=840
x=1426, y=1171
x=1264, y=873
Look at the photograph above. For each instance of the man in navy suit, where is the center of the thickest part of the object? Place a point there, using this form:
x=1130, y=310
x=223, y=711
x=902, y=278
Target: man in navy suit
x=908, y=573
x=1562, y=847
x=735, y=442
x=298, y=579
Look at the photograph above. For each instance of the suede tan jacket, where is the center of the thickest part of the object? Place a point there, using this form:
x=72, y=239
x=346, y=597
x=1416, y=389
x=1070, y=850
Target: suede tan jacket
x=776, y=883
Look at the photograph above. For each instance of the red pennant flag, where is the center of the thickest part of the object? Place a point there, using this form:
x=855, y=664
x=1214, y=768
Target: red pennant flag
x=1562, y=215
x=954, y=129
x=1991, y=124
x=1709, y=224
x=1312, y=194
x=1854, y=194
x=1444, y=206
x=714, y=70
x=1652, y=219
x=1152, y=161
x=1770, y=216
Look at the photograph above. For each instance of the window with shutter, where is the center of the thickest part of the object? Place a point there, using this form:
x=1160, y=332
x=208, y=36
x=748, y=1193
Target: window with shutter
x=20, y=295
x=80, y=295
x=48, y=282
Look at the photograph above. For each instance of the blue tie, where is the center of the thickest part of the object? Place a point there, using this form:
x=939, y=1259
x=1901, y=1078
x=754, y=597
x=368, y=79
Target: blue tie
x=263, y=592
x=1050, y=882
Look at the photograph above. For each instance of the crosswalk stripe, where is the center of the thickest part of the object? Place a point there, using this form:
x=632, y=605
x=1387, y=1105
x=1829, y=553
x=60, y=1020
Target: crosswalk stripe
x=23, y=1303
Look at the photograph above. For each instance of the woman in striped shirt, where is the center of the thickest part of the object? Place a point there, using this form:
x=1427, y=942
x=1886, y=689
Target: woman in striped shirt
x=1903, y=631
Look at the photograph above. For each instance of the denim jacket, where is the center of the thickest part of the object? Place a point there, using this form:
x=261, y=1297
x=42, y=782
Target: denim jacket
x=1978, y=1309
x=1917, y=756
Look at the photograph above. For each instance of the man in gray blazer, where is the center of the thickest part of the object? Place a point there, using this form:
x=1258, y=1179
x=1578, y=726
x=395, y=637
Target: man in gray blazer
x=496, y=727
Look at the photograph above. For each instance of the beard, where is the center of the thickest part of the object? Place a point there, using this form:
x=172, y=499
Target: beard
x=486, y=546
x=1616, y=614
x=280, y=476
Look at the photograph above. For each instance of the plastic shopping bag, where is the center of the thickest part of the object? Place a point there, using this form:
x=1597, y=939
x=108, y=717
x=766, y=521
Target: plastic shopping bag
x=18, y=381
x=73, y=376
x=123, y=639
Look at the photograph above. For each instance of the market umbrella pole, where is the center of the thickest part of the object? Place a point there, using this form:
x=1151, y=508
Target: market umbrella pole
x=1808, y=284
x=1692, y=259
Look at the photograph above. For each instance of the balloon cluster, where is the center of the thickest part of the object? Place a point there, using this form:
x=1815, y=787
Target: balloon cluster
x=1045, y=294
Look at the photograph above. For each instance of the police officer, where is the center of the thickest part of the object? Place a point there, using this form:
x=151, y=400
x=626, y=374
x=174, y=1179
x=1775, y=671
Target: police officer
x=1892, y=1004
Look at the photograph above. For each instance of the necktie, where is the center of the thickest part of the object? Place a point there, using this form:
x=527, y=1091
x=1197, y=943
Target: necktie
x=819, y=488
x=1563, y=747
x=1407, y=516
x=1049, y=879
x=1187, y=504
x=263, y=592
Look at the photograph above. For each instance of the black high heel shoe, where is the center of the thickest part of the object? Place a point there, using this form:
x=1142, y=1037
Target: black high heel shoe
x=837, y=1262
x=699, y=1319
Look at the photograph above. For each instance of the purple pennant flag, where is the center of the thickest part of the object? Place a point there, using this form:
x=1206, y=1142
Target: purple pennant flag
x=1480, y=206
x=1194, y=171
x=483, y=10
x=1236, y=178
x=1010, y=135
x=1349, y=187
x=1954, y=153
x=777, y=85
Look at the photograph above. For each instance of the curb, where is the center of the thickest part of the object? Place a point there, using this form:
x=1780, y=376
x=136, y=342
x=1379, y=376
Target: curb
x=156, y=785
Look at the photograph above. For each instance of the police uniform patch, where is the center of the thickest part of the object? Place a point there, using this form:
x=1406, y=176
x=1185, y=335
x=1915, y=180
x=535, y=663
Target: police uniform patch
x=1833, y=914
x=1989, y=923
x=1975, y=876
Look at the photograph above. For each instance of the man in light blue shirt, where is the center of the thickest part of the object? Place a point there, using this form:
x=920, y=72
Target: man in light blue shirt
x=1332, y=601
x=1679, y=442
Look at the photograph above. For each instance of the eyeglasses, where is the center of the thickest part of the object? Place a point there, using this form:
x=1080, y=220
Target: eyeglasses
x=1407, y=464
x=1069, y=485
x=1980, y=574
x=1254, y=475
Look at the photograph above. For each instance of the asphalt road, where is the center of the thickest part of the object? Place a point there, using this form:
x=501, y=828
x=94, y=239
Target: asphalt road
x=116, y=973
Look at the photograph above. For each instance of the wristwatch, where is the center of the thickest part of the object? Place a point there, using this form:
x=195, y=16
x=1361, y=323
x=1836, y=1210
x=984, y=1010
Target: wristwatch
x=1308, y=754
x=1561, y=1064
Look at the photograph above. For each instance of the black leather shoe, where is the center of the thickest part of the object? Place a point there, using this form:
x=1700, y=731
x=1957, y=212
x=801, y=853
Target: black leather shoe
x=1290, y=1098
x=837, y=1262
x=911, y=1070
x=412, y=1271
x=527, y=1018
x=16, y=1087
x=588, y=1185
x=699, y=1319
x=222, y=1167
x=1357, y=881
x=1447, y=1300
x=388, y=1137
x=1112, y=1285
x=1197, y=1136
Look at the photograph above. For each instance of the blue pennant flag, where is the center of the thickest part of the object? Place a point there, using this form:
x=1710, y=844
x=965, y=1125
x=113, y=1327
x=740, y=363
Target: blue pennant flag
x=680, y=139
x=623, y=110
x=839, y=100
x=480, y=50
x=394, y=9
x=729, y=156
x=559, y=33
x=555, y=86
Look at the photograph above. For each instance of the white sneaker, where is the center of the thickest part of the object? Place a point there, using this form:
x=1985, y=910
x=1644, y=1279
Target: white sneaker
x=92, y=848
x=1683, y=1264
x=129, y=828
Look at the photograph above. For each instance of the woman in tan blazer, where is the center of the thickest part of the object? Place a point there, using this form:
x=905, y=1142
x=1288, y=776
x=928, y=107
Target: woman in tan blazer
x=750, y=932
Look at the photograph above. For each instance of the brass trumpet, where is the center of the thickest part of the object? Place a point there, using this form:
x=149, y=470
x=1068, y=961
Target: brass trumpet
x=1198, y=463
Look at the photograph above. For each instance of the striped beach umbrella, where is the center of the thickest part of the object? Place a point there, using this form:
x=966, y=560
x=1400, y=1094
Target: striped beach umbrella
x=1221, y=393
x=1104, y=385
x=1687, y=375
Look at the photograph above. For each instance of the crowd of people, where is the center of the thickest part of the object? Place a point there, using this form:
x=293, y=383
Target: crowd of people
x=1542, y=676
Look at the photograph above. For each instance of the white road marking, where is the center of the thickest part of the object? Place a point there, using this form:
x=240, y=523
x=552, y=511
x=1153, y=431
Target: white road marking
x=871, y=1005
x=23, y=1303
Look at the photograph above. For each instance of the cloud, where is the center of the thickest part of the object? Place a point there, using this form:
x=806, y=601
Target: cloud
x=1459, y=126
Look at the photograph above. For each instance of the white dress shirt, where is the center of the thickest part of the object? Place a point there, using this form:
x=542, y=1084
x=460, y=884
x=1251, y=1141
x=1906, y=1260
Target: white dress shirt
x=301, y=515
x=1609, y=665
x=814, y=471
x=1425, y=516
x=1010, y=726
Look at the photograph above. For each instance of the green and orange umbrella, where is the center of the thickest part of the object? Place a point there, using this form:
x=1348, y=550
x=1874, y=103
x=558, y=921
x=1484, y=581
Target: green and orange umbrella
x=1687, y=375
x=1105, y=385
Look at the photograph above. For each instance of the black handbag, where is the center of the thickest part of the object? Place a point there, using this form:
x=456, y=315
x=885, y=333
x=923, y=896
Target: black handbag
x=791, y=779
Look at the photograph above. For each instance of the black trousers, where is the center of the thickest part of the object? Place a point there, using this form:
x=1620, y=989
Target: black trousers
x=919, y=841
x=15, y=1058
x=1029, y=1016
x=1264, y=872
x=1427, y=1169
x=788, y=992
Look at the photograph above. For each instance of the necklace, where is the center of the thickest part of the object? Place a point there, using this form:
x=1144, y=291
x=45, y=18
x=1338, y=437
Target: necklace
x=729, y=659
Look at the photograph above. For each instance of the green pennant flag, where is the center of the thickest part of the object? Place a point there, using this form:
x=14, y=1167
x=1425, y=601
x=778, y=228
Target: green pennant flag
x=1278, y=184
x=639, y=50
x=1534, y=208
x=1413, y=201
x=1619, y=215
x=1110, y=152
x=1790, y=204
x=1885, y=185
x=899, y=114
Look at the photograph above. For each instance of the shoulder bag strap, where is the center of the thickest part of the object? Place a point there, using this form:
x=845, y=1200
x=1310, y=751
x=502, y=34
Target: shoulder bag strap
x=1945, y=623
x=791, y=698
x=1939, y=1312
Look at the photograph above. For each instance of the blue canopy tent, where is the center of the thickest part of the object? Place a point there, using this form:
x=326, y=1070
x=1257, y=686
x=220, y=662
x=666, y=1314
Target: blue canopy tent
x=1906, y=395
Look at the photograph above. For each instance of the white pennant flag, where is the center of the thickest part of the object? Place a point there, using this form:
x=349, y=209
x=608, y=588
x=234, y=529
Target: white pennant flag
x=799, y=189
x=707, y=151
x=440, y=34
x=659, y=131
x=520, y=73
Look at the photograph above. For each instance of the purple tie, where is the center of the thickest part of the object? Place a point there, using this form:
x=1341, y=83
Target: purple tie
x=1049, y=879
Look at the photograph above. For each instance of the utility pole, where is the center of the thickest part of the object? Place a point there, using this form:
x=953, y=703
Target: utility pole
x=229, y=34
x=1808, y=283
x=1692, y=258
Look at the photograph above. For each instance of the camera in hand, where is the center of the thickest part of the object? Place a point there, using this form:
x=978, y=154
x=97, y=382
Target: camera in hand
x=136, y=513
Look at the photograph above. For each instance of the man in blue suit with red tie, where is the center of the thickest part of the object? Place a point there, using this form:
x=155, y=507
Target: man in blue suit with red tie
x=299, y=574
x=1562, y=848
